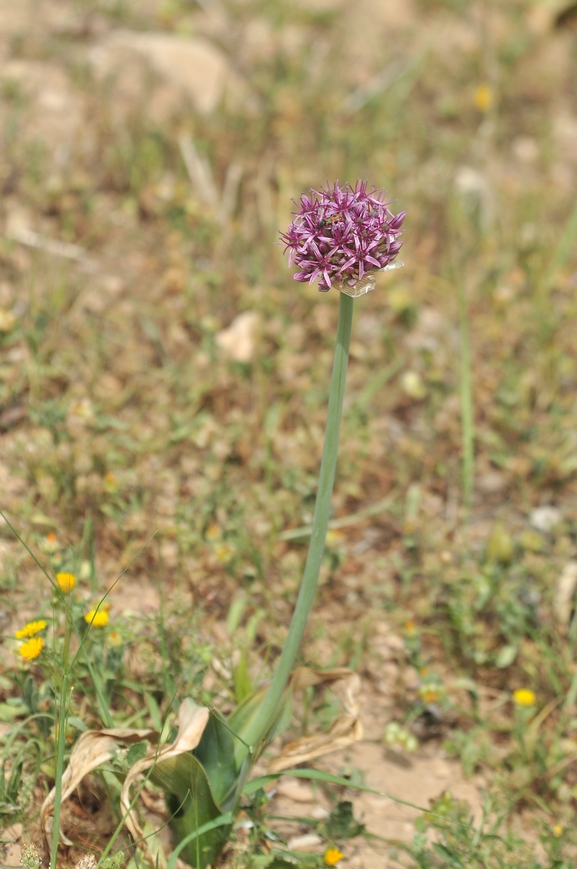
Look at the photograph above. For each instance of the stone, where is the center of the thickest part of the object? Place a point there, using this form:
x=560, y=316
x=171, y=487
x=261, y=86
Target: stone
x=193, y=67
x=545, y=518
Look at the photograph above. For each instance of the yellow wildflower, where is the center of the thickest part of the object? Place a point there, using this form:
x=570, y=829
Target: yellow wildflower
x=224, y=552
x=557, y=830
x=333, y=856
x=97, y=619
x=30, y=630
x=484, y=97
x=333, y=536
x=65, y=582
x=524, y=697
x=114, y=639
x=31, y=648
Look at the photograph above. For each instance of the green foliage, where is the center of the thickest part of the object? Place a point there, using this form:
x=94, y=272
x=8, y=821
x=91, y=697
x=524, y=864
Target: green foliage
x=191, y=804
x=341, y=823
x=463, y=844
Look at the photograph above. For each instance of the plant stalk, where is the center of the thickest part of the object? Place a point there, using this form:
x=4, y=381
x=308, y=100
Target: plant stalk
x=307, y=591
x=60, y=742
x=467, y=420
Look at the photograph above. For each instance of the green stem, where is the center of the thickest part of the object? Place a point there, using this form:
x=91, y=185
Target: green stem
x=269, y=709
x=466, y=402
x=62, y=723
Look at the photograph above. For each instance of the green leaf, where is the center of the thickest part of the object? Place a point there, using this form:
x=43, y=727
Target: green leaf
x=215, y=752
x=241, y=677
x=506, y=656
x=9, y=713
x=193, y=809
x=317, y=775
x=341, y=823
x=222, y=821
x=246, y=713
x=136, y=752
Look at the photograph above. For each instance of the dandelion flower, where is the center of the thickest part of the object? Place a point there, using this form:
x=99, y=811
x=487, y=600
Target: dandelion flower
x=31, y=648
x=65, y=582
x=30, y=629
x=557, y=830
x=97, y=618
x=524, y=697
x=333, y=856
x=342, y=235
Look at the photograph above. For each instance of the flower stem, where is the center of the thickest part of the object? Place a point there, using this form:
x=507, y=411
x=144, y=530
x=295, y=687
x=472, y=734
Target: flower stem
x=269, y=709
x=60, y=731
x=466, y=390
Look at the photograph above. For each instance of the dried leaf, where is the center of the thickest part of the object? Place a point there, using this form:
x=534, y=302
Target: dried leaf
x=93, y=748
x=563, y=602
x=192, y=720
x=344, y=731
x=96, y=747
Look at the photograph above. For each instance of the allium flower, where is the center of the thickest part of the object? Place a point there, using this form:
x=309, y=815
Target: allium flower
x=31, y=648
x=342, y=235
x=30, y=629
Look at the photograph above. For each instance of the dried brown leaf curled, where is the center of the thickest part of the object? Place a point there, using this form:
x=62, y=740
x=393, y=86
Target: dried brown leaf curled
x=344, y=731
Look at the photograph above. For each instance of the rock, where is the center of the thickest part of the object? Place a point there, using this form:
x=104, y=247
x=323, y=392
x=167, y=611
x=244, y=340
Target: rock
x=239, y=339
x=303, y=843
x=194, y=68
x=545, y=518
x=54, y=113
x=298, y=791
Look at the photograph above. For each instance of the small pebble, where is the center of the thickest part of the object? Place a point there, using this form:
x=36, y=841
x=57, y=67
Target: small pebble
x=303, y=843
x=545, y=518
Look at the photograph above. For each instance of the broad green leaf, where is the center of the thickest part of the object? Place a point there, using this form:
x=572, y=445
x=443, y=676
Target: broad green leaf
x=222, y=821
x=191, y=804
x=241, y=677
x=215, y=752
x=248, y=711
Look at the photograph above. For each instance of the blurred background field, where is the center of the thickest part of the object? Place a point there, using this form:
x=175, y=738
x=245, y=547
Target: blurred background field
x=163, y=380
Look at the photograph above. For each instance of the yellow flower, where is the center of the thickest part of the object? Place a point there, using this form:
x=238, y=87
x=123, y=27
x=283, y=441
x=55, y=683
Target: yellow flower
x=30, y=630
x=333, y=856
x=557, y=830
x=31, y=648
x=224, y=552
x=333, y=536
x=97, y=619
x=484, y=97
x=114, y=639
x=65, y=582
x=524, y=697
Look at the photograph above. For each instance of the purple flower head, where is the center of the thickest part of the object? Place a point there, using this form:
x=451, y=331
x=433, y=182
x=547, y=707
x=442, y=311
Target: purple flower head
x=341, y=235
